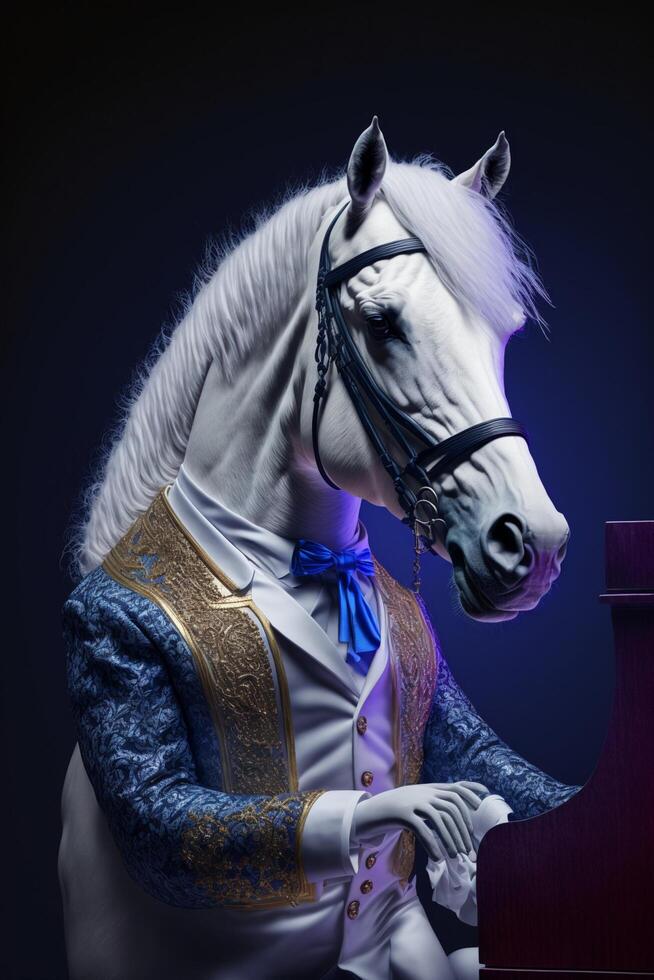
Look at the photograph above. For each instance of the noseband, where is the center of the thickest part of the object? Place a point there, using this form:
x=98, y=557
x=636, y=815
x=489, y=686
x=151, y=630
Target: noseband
x=335, y=343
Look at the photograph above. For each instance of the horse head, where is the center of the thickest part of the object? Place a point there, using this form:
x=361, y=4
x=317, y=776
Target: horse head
x=231, y=395
x=432, y=327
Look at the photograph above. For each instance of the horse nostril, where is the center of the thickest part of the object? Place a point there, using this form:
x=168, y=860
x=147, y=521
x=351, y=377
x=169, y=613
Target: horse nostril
x=561, y=553
x=505, y=548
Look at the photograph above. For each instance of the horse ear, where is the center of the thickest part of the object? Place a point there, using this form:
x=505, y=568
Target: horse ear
x=366, y=168
x=489, y=173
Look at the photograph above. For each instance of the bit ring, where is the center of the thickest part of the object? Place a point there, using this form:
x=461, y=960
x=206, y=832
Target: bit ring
x=428, y=507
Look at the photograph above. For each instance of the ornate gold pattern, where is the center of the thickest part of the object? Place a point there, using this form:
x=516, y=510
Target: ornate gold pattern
x=157, y=558
x=224, y=871
x=235, y=653
x=414, y=663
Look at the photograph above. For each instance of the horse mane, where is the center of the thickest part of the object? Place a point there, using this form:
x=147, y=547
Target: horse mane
x=469, y=240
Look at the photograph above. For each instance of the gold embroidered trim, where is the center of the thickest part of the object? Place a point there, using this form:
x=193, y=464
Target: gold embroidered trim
x=414, y=663
x=224, y=871
x=235, y=653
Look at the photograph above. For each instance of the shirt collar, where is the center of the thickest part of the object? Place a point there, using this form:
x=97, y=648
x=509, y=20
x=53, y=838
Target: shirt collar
x=234, y=543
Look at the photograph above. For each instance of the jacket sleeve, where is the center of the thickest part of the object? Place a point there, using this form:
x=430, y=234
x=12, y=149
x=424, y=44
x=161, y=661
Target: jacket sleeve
x=459, y=744
x=184, y=843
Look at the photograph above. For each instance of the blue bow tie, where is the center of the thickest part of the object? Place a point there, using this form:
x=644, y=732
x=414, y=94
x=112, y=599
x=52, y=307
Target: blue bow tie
x=357, y=625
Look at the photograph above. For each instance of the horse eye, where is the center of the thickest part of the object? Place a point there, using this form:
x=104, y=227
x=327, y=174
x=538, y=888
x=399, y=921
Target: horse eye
x=381, y=327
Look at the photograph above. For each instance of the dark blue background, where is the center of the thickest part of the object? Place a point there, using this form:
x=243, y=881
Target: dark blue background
x=132, y=142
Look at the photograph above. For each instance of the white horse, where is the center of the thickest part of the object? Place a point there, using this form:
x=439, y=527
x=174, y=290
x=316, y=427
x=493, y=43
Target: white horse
x=231, y=396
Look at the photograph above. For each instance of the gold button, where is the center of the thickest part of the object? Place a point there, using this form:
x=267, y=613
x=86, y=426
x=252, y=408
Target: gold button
x=366, y=886
x=370, y=860
x=362, y=724
x=367, y=778
x=353, y=909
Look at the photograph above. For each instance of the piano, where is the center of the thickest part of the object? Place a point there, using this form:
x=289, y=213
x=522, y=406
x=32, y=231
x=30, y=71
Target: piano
x=570, y=893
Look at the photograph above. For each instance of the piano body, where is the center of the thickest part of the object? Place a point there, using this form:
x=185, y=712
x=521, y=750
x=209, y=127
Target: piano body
x=570, y=893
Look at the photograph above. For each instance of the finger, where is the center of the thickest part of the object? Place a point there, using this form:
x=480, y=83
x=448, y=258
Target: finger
x=461, y=830
x=445, y=830
x=461, y=804
x=442, y=834
x=456, y=786
x=478, y=787
x=465, y=788
x=454, y=812
x=459, y=833
x=427, y=838
x=470, y=798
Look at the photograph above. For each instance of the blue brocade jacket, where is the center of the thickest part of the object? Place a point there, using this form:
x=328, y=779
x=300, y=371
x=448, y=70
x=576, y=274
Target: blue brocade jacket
x=153, y=740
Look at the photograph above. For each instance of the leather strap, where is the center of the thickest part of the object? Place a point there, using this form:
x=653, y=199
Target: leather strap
x=403, y=246
x=462, y=444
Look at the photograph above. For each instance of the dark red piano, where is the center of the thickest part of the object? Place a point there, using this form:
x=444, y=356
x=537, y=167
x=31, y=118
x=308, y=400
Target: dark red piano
x=571, y=892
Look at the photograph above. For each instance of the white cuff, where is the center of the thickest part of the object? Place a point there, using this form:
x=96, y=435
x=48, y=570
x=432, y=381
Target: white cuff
x=327, y=851
x=454, y=880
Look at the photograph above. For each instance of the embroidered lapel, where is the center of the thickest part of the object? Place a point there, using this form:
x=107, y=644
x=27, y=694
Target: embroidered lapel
x=232, y=644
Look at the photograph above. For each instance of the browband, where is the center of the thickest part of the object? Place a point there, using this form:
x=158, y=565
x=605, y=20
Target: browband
x=405, y=246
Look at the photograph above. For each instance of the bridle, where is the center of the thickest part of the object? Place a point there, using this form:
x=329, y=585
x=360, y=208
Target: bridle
x=335, y=343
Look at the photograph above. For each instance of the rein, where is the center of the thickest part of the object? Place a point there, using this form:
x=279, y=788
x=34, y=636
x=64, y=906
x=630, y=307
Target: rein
x=335, y=344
